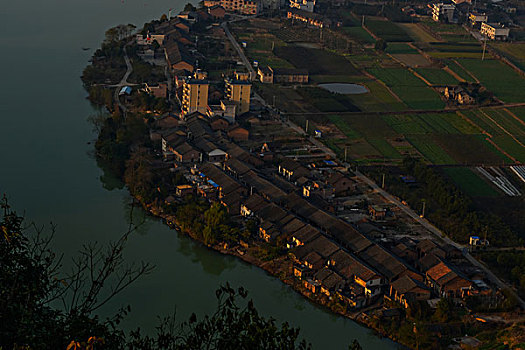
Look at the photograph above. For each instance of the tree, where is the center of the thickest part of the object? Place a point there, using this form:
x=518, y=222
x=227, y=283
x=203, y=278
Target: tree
x=355, y=345
x=189, y=7
x=234, y=325
x=31, y=279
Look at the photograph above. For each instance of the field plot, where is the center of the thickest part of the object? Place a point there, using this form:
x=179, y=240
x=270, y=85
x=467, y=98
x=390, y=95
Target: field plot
x=387, y=30
x=412, y=60
x=316, y=61
x=499, y=78
x=467, y=149
x=505, y=121
x=482, y=122
x=430, y=150
x=412, y=90
x=468, y=181
x=359, y=34
x=385, y=148
x=515, y=52
x=400, y=48
x=517, y=113
x=344, y=127
x=417, y=33
x=437, y=76
x=326, y=101
x=370, y=126
x=511, y=147
x=456, y=68
x=378, y=100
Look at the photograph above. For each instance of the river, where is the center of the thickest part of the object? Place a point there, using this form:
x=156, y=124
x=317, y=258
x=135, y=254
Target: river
x=46, y=170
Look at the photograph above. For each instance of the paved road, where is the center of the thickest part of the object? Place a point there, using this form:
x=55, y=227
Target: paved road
x=238, y=48
x=123, y=81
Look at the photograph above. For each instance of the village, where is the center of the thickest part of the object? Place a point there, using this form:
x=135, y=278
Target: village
x=324, y=228
x=338, y=240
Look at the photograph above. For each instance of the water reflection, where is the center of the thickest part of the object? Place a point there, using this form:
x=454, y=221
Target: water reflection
x=207, y=258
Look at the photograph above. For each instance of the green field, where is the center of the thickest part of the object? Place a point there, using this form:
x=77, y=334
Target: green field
x=316, y=61
x=467, y=149
x=397, y=48
x=344, y=127
x=430, y=150
x=506, y=121
x=412, y=90
x=510, y=146
x=437, y=76
x=359, y=34
x=326, y=101
x=385, y=148
x=468, y=181
x=499, y=78
x=387, y=30
x=460, y=71
x=379, y=99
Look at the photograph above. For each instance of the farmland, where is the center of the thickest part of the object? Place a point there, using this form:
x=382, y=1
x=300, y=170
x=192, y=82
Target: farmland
x=437, y=76
x=488, y=135
x=387, y=30
x=470, y=182
x=499, y=78
x=316, y=61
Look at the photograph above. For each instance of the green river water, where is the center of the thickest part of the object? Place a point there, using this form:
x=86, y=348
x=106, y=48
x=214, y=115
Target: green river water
x=46, y=170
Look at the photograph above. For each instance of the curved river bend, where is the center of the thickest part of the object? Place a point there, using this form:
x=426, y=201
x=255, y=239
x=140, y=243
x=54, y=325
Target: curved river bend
x=47, y=171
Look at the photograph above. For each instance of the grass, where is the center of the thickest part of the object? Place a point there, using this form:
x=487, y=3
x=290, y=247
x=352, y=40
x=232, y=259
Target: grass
x=316, y=61
x=515, y=52
x=412, y=60
x=499, y=78
x=430, y=150
x=469, y=182
x=482, y=122
x=396, y=77
x=454, y=47
x=387, y=30
x=437, y=76
x=408, y=124
x=445, y=55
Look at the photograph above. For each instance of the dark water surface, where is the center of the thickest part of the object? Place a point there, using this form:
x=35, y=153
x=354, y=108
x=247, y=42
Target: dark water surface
x=46, y=170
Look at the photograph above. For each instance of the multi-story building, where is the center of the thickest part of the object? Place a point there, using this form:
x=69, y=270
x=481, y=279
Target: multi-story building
x=443, y=12
x=476, y=18
x=238, y=90
x=282, y=75
x=494, y=31
x=244, y=7
x=305, y=5
x=195, y=94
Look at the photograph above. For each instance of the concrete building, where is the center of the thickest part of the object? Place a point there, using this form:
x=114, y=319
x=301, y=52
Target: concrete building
x=443, y=12
x=305, y=5
x=195, y=93
x=238, y=90
x=476, y=19
x=244, y=7
x=282, y=75
x=494, y=31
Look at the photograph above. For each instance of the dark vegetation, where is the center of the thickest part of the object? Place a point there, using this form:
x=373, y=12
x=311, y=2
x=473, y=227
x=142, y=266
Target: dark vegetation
x=316, y=61
x=327, y=101
x=31, y=278
x=446, y=206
